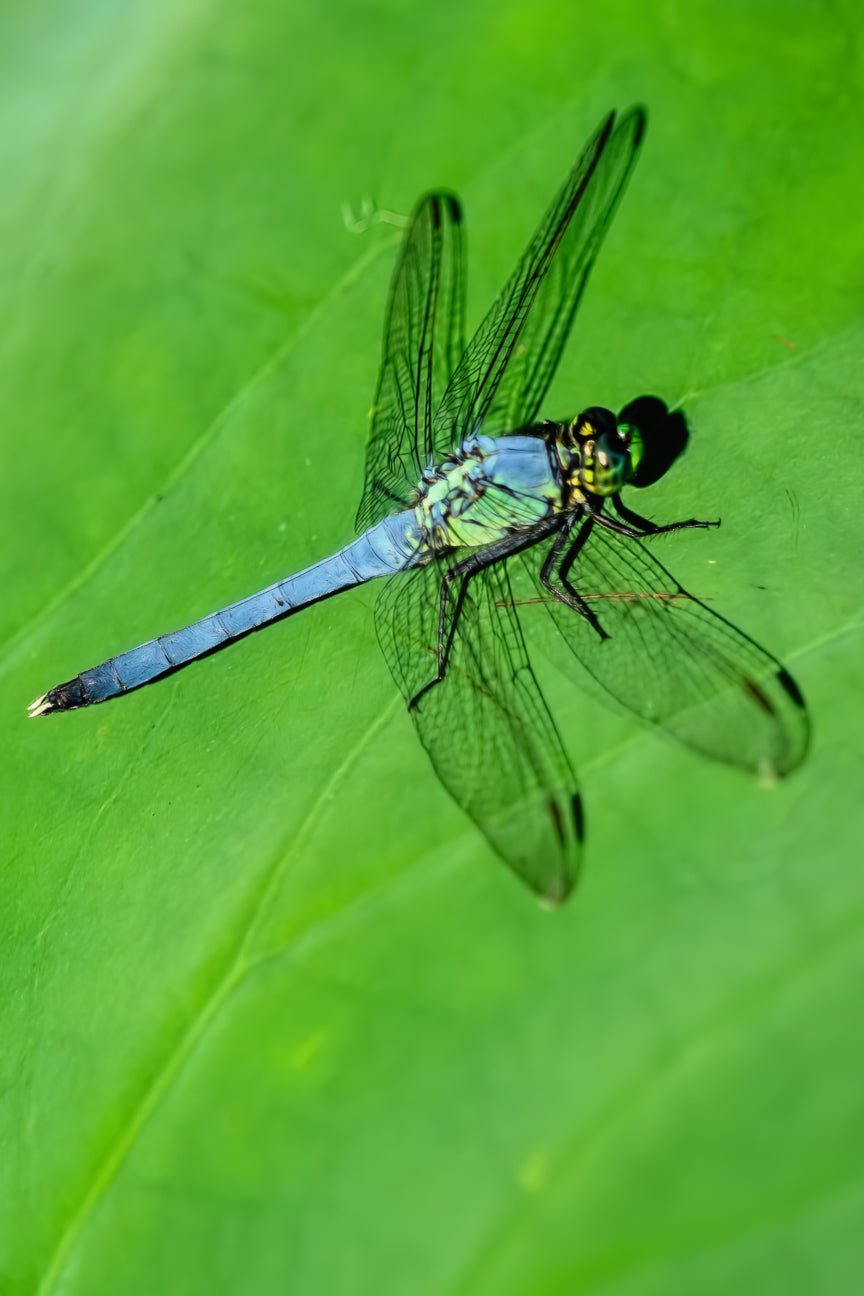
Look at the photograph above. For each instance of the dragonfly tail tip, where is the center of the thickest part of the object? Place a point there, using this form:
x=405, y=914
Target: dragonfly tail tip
x=42, y=706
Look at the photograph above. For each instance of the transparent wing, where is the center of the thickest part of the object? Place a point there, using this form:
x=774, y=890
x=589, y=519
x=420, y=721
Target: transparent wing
x=547, y=326
x=677, y=664
x=486, y=727
x=423, y=341
x=509, y=363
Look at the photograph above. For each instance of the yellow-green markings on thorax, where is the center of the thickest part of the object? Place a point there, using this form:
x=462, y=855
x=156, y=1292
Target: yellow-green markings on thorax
x=492, y=488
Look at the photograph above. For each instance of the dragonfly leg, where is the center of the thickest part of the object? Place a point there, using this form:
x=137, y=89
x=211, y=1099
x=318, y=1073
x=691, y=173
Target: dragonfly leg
x=568, y=595
x=463, y=571
x=446, y=635
x=639, y=526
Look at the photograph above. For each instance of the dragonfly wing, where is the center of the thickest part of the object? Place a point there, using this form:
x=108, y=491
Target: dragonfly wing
x=486, y=726
x=547, y=326
x=423, y=341
x=677, y=664
x=509, y=363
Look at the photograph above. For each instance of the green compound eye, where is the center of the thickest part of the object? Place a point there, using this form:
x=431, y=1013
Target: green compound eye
x=631, y=438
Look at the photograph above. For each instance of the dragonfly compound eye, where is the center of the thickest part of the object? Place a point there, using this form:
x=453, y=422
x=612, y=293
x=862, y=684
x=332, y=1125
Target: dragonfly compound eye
x=615, y=455
x=631, y=439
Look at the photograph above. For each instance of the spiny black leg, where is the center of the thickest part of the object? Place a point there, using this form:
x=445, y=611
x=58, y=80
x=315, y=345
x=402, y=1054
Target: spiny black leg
x=647, y=527
x=570, y=598
x=632, y=532
x=465, y=569
x=444, y=648
x=574, y=550
x=469, y=567
x=568, y=595
x=554, y=552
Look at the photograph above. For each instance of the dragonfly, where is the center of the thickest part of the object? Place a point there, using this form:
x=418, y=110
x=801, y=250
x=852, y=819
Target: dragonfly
x=468, y=495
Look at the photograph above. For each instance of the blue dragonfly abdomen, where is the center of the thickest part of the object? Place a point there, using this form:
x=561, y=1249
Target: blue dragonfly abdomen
x=490, y=487
x=390, y=546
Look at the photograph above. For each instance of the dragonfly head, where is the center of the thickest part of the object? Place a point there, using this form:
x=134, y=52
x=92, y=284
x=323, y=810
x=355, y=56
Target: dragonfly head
x=608, y=451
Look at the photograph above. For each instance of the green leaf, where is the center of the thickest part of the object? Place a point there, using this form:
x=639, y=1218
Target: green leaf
x=275, y=1020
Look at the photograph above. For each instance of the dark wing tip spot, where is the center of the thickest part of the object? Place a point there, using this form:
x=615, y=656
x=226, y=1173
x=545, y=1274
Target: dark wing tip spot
x=785, y=680
x=578, y=816
x=641, y=118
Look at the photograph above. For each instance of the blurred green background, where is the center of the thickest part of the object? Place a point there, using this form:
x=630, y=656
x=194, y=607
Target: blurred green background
x=274, y=1018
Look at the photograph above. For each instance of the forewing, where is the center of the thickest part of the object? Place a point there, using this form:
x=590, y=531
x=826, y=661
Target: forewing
x=508, y=365
x=677, y=664
x=423, y=341
x=486, y=726
x=526, y=379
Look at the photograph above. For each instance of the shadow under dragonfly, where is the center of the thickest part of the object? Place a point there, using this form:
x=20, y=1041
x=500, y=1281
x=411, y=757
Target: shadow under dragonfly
x=664, y=436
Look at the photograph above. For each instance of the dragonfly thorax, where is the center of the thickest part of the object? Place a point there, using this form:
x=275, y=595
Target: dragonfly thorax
x=489, y=488
x=600, y=454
